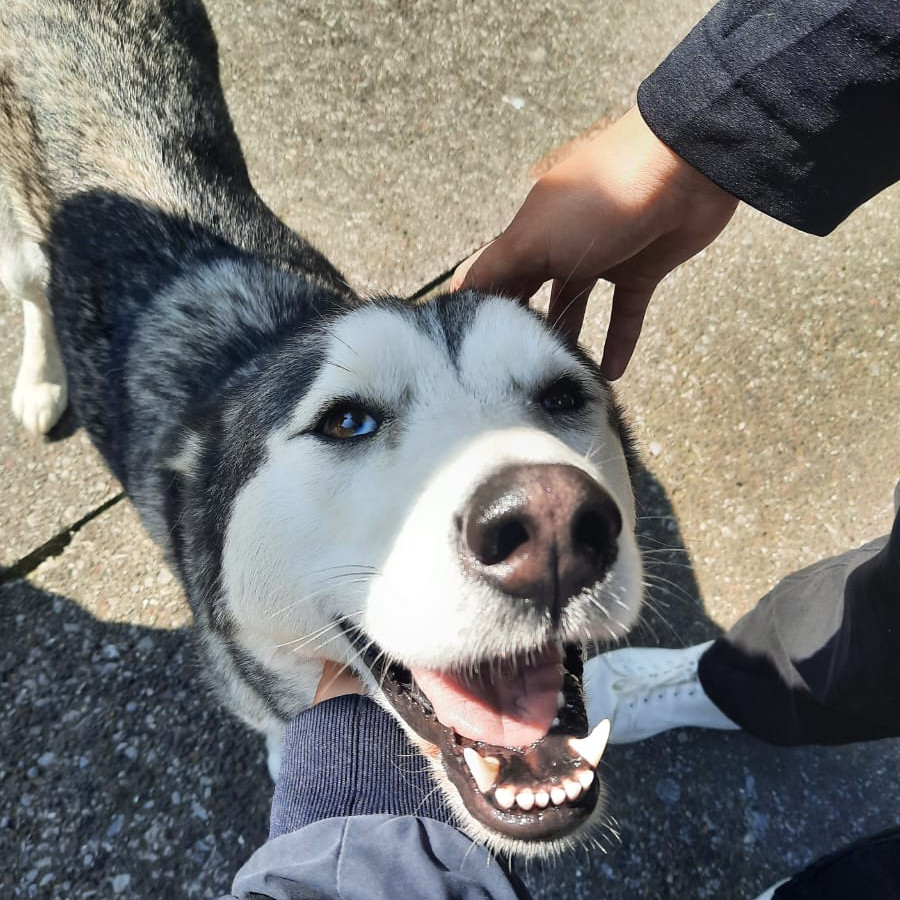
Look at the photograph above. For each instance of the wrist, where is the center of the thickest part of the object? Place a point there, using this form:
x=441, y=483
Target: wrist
x=673, y=171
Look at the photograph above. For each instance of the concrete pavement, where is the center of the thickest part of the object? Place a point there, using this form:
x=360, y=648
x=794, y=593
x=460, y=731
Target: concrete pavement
x=399, y=136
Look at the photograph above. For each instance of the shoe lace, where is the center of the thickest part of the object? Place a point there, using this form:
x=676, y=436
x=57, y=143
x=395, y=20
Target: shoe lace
x=629, y=680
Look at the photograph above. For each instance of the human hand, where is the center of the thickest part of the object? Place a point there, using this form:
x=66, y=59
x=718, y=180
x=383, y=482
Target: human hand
x=624, y=208
x=337, y=679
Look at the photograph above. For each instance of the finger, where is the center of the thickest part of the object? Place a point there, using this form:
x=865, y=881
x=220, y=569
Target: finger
x=498, y=268
x=625, y=322
x=337, y=679
x=568, y=302
x=458, y=278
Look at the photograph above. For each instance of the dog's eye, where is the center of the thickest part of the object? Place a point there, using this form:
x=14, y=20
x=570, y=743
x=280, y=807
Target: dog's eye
x=346, y=421
x=563, y=396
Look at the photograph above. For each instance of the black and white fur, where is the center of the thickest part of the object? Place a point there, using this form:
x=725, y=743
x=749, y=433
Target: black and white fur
x=200, y=342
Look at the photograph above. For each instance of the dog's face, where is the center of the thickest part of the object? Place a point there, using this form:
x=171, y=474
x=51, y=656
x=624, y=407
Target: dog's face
x=448, y=509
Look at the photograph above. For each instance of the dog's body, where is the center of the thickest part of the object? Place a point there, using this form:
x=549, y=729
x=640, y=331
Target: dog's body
x=437, y=495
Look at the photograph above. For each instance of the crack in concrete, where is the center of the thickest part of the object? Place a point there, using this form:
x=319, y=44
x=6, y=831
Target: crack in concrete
x=55, y=545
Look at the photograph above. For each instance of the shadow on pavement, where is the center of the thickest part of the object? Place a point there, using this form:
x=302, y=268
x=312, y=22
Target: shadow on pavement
x=120, y=774
x=122, y=777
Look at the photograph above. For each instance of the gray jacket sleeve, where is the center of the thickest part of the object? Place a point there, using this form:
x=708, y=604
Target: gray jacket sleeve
x=793, y=106
x=377, y=857
x=356, y=814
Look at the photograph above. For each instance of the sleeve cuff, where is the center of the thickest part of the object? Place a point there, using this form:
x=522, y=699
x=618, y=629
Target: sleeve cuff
x=348, y=757
x=786, y=106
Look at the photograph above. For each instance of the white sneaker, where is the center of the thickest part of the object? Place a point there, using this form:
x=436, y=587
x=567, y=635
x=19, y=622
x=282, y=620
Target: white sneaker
x=646, y=690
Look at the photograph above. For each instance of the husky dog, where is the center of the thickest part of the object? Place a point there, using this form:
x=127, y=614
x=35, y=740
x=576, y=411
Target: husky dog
x=436, y=495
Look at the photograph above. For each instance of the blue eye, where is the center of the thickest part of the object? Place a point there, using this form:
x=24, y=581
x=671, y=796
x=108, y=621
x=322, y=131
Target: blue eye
x=346, y=421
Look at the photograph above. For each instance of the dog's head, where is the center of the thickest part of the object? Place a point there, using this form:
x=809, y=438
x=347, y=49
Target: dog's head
x=448, y=509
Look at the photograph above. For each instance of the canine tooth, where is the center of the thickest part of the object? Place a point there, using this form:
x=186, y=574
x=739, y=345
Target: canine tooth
x=484, y=769
x=560, y=700
x=505, y=797
x=542, y=799
x=558, y=795
x=556, y=721
x=591, y=748
x=585, y=778
x=572, y=788
x=525, y=799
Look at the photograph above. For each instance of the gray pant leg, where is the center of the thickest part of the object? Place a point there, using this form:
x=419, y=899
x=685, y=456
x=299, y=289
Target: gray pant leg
x=818, y=660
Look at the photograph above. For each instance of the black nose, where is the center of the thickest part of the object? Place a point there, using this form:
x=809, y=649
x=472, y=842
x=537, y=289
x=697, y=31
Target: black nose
x=541, y=532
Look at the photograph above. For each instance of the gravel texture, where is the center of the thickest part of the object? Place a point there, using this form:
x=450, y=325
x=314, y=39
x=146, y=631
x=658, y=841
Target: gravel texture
x=399, y=136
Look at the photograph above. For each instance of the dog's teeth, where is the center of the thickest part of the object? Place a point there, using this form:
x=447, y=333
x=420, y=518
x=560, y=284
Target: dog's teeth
x=525, y=799
x=505, y=797
x=558, y=795
x=585, y=778
x=484, y=769
x=556, y=721
x=560, y=700
x=542, y=799
x=572, y=788
x=591, y=748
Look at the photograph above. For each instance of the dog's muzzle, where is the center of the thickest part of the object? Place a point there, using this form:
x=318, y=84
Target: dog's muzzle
x=512, y=731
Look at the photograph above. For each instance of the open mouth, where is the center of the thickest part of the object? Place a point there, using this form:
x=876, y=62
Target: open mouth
x=512, y=735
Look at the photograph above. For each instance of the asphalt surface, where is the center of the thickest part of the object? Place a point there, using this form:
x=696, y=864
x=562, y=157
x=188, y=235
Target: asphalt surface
x=399, y=136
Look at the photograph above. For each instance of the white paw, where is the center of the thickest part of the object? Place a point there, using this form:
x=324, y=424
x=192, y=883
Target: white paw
x=38, y=405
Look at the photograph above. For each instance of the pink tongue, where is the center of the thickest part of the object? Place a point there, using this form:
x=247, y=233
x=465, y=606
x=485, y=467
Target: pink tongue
x=510, y=704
